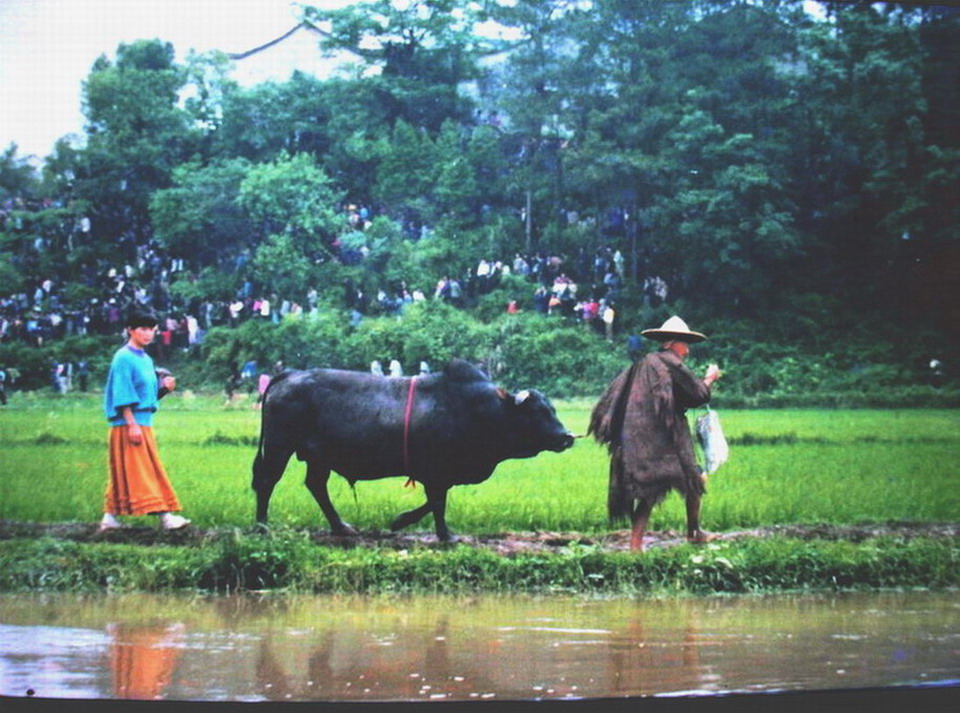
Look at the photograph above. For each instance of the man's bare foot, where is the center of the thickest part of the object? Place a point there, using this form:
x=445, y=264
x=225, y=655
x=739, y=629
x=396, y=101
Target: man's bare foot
x=699, y=537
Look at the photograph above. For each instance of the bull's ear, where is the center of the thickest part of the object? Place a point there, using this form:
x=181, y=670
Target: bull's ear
x=521, y=397
x=502, y=393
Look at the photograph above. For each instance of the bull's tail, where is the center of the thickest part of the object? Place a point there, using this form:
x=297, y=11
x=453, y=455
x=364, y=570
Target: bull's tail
x=258, y=458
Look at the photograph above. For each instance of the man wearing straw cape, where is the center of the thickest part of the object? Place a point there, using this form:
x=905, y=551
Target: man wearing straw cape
x=641, y=417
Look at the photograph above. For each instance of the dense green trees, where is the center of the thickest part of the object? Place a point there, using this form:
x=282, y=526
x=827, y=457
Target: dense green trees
x=199, y=216
x=136, y=135
x=783, y=173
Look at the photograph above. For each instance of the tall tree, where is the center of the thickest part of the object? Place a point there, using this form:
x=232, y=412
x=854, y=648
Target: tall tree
x=136, y=134
x=861, y=148
x=260, y=122
x=940, y=40
x=406, y=168
x=415, y=53
x=534, y=96
x=18, y=179
x=199, y=216
x=668, y=120
x=293, y=197
x=626, y=97
x=723, y=221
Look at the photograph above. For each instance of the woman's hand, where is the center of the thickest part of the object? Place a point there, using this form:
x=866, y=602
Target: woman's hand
x=135, y=433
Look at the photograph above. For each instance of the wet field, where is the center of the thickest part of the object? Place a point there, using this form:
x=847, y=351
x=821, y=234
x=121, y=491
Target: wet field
x=284, y=648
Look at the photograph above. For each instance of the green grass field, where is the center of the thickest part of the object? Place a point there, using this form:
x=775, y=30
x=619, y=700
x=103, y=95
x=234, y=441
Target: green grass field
x=785, y=467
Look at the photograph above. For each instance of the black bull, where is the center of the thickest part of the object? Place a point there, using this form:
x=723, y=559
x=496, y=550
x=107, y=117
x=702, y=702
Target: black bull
x=445, y=429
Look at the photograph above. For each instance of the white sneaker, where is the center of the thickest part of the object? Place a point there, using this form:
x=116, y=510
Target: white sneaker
x=109, y=522
x=169, y=521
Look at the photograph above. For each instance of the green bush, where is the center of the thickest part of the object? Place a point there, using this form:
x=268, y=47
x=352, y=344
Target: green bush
x=289, y=561
x=431, y=331
x=34, y=363
x=561, y=357
x=554, y=357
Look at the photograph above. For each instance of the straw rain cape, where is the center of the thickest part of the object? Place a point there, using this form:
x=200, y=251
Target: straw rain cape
x=641, y=418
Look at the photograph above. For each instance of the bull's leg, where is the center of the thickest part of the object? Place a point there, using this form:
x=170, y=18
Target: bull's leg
x=316, y=482
x=437, y=499
x=641, y=516
x=410, y=517
x=436, y=503
x=268, y=466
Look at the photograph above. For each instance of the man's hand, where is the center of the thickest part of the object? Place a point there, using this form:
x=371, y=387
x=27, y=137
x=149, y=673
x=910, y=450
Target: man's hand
x=713, y=373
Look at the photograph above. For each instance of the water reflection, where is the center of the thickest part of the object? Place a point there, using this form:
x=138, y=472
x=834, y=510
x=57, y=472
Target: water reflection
x=143, y=658
x=447, y=648
x=379, y=666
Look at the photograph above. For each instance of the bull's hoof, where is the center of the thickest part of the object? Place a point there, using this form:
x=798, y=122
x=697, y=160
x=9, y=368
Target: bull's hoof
x=262, y=527
x=344, y=529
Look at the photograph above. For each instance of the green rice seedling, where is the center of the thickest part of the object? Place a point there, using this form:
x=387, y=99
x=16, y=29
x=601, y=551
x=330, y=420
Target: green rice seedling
x=799, y=466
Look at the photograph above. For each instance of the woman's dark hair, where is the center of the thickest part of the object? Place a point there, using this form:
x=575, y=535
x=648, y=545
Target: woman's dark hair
x=140, y=318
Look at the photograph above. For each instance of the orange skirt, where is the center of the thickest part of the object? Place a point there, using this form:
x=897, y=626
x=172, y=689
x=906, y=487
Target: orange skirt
x=138, y=481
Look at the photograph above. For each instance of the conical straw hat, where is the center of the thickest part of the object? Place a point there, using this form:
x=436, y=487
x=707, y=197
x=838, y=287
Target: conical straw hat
x=674, y=329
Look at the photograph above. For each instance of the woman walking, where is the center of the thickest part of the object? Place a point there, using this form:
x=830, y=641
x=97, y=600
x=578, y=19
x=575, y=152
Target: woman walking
x=138, y=483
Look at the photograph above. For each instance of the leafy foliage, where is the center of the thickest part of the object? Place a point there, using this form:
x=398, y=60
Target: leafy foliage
x=294, y=196
x=789, y=178
x=199, y=215
x=136, y=133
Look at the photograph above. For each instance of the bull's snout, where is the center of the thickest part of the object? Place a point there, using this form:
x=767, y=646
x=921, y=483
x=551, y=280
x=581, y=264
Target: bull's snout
x=566, y=441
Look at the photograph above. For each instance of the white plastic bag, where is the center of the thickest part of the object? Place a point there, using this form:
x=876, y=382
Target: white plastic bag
x=714, y=443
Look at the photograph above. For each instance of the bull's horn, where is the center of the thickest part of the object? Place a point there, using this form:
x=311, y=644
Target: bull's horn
x=521, y=397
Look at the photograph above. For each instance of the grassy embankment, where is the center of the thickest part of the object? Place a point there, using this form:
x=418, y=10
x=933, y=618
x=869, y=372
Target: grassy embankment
x=831, y=467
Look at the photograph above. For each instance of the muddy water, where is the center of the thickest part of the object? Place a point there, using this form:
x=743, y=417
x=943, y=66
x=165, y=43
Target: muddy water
x=440, y=648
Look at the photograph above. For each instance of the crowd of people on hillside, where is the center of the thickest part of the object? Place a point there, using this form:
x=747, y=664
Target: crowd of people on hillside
x=580, y=289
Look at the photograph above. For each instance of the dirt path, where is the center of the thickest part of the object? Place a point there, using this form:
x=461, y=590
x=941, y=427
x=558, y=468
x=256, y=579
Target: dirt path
x=505, y=543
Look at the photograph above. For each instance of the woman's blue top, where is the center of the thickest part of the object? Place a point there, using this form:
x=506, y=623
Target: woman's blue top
x=132, y=382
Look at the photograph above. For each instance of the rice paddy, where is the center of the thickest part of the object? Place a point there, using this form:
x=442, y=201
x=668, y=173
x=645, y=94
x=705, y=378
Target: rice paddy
x=785, y=467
